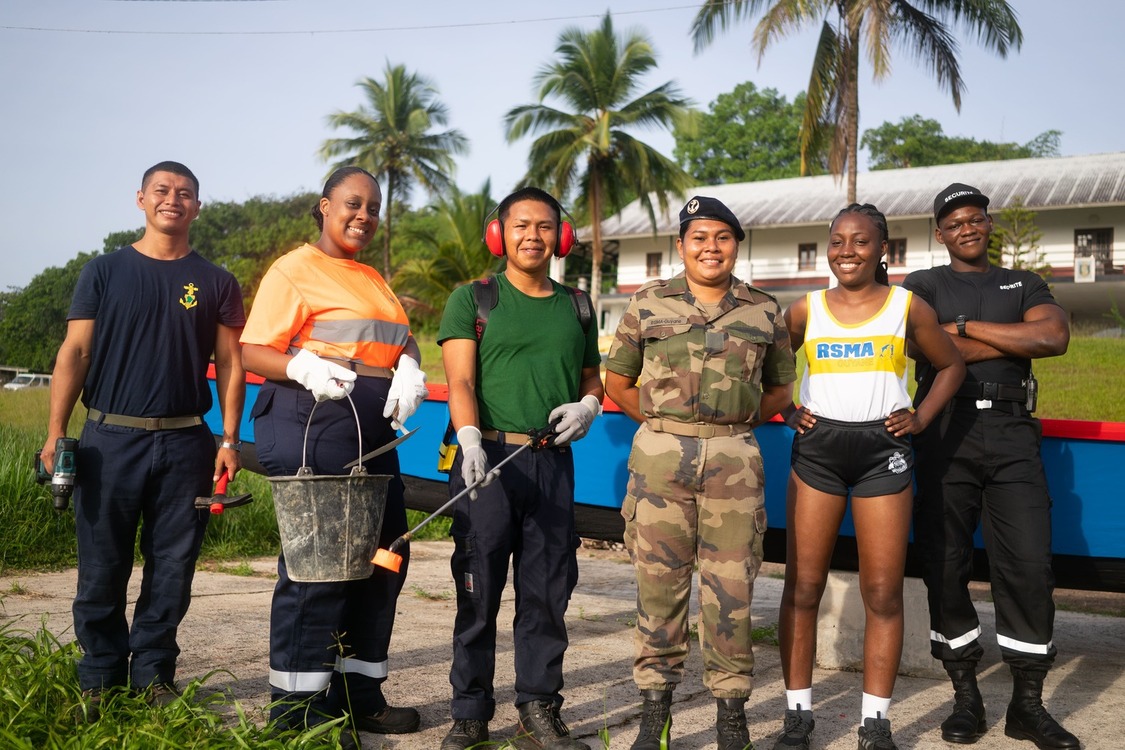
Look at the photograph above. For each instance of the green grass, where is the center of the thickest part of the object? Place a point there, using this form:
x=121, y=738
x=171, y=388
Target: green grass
x=42, y=707
x=1085, y=383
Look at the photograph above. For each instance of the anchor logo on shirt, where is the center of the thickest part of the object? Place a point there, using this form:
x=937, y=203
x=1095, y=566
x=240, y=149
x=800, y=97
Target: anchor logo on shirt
x=189, y=299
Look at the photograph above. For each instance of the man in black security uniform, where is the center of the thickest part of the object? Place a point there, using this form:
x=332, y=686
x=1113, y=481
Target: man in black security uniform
x=143, y=325
x=980, y=462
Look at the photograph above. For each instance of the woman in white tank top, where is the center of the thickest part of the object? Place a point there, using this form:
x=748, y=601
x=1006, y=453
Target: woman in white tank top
x=855, y=337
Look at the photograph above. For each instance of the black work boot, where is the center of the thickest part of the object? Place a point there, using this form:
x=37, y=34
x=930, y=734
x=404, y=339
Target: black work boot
x=542, y=727
x=656, y=721
x=1028, y=719
x=966, y=724
x=730, y=724
x=391, y=720
x=465, y=733
x=795, y=732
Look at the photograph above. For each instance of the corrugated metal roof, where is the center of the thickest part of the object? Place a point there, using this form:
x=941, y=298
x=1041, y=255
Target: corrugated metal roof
x=1094, y=179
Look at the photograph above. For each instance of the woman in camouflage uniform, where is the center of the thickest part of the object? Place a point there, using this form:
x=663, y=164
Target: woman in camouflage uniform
x=698, y=360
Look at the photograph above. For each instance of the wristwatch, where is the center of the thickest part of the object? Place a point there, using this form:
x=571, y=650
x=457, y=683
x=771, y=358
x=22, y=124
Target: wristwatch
x=960, y=321
x=236, y=446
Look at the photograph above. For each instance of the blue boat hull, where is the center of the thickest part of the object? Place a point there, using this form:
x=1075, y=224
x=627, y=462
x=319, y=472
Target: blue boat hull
x=1085, y=464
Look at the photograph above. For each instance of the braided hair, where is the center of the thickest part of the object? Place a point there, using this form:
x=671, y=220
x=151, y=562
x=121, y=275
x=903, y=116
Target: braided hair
x=880, y=222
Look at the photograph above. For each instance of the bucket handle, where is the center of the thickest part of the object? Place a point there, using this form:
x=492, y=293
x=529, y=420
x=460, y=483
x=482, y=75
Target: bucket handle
x=357, y=470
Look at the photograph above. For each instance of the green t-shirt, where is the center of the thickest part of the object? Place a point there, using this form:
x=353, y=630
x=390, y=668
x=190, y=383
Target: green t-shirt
x=530, y=358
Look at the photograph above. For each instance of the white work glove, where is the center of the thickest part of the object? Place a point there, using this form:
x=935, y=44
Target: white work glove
x=408, y=391
x=474, y=464
x=576, y=419
x=324, y=379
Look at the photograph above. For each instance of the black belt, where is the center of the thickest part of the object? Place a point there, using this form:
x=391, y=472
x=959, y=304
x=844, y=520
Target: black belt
x=993, y=392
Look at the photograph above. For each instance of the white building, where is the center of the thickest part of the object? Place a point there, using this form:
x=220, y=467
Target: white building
x=1079, y=201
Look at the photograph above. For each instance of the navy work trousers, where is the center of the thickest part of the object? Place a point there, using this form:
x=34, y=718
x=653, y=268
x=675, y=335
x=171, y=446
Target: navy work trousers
x=526, y=515
x=335, y=633
x=127, y=476
x=983, y=466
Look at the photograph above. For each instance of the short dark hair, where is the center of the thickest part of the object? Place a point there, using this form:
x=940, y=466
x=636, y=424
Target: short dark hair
x=331, y=184
x=529, y=194
x=175, y=168
x=880, y=222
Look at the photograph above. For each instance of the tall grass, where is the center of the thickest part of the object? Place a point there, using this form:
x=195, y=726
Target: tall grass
x=41, y=706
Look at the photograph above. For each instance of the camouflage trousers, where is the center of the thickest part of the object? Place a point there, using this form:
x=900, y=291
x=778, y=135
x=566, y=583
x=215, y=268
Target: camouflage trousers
x=694, y=501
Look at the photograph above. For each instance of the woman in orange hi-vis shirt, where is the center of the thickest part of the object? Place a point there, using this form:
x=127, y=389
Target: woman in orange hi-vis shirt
x=324, y=326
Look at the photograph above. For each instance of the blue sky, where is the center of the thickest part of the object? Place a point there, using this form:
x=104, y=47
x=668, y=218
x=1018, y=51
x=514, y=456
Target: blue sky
x=95, y=91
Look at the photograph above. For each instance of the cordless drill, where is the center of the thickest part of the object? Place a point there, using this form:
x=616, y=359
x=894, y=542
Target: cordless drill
x=66, y=467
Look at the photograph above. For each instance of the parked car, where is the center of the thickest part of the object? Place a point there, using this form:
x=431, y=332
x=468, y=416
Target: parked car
x=28, y=380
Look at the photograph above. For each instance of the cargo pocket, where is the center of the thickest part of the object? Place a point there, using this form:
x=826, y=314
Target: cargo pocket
x=629, y=513
x=759, y=544
x=466, y=567
x=265, y=436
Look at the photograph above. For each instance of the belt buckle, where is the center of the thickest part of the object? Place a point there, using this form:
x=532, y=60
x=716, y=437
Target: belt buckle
x=984, y=403
x=153, y=423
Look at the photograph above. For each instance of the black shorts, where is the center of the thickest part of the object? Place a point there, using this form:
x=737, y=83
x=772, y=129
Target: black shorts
x=834, y=456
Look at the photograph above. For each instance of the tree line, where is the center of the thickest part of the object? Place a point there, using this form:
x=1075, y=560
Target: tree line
x=589, y=106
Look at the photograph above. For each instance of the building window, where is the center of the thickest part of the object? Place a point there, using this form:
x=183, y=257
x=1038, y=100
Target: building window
x=896, y=252
x=806, y=256
x=1097, y=243
x=652, y=265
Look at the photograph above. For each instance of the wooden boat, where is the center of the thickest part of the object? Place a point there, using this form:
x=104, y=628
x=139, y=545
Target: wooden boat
x=1085, y=464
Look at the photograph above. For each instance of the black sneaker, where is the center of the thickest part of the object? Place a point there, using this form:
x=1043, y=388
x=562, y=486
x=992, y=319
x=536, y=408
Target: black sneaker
x=875, y=734
x=390, y=720
x=464, y=734
x=796, y=730
x=542, y=727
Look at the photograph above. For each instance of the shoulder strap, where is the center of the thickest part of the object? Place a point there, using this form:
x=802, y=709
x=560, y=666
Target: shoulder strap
x=583, y=309
x=486, y=293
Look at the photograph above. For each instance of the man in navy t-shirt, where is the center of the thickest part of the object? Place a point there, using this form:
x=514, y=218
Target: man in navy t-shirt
x=143, y=325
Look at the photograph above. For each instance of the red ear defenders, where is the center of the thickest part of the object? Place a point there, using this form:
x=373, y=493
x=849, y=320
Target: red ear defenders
x=494, y=238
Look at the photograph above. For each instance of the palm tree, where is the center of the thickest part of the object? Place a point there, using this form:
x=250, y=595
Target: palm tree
x=394, y=139
x=456, y=254
x=832, y=103
x=585, y=147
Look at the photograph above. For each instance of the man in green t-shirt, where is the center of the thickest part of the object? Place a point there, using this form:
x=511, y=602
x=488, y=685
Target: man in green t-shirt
x=533, y=363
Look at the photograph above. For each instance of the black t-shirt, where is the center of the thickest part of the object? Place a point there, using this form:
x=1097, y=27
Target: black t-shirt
x=155, y=327
x=998, y=295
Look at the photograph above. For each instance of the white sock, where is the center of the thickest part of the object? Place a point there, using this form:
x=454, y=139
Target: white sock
x=799, y=700
x=874, y=707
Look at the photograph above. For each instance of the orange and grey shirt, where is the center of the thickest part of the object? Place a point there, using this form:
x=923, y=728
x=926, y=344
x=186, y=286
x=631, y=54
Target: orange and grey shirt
x=333, y=307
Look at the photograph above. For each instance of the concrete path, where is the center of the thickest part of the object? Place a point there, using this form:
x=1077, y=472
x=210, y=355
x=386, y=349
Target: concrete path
x=228, y=625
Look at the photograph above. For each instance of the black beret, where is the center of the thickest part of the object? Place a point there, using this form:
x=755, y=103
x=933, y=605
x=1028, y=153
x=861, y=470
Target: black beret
x=702, y=207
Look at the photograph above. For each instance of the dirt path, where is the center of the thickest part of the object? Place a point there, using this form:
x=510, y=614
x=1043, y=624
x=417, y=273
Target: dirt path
x=227, y=629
